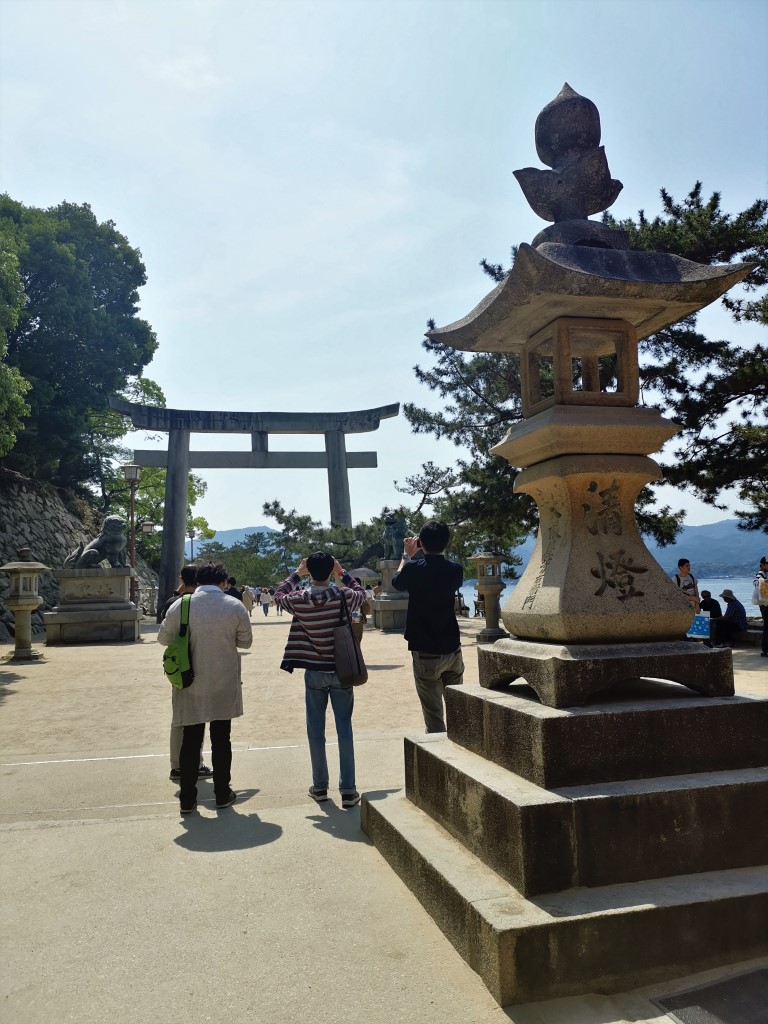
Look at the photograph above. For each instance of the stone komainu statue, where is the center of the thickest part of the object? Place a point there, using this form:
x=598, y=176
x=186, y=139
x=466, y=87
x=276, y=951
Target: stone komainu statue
x=393, y=537
x=109, y=545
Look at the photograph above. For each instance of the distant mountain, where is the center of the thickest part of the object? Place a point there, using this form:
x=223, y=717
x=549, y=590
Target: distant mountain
x=228, y=537
x=715, y=550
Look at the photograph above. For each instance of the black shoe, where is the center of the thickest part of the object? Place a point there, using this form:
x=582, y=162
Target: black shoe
x=204, y=772
x=350, y=799
x=318, y=794
x=188, y=808
x=227, y=801
x=175, y=775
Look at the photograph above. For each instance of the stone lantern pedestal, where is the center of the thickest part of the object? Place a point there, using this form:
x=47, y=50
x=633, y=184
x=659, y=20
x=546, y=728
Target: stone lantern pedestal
x=489, y=586
x=23, y=599
x=94, y=607
x=391, y=606
x=568, y=842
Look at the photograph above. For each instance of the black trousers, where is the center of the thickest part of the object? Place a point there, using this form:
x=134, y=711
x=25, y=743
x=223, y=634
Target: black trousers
x=764, y=613
x=726, y=631
x=221, y=759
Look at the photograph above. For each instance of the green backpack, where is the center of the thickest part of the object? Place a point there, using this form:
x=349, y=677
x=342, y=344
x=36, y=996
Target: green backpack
x=177, y=661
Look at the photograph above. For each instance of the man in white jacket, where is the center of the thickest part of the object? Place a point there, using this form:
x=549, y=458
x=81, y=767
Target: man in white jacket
x=217, y=627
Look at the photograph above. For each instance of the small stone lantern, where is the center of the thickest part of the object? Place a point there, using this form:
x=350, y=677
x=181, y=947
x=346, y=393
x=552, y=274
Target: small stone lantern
x=489, y=586
x=23, y=599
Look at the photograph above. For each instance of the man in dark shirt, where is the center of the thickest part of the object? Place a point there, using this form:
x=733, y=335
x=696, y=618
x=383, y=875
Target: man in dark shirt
x=709, y=604
x=431, y=628
x=733, y=622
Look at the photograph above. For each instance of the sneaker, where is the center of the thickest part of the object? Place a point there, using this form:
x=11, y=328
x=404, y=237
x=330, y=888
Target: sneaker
x=175, y=775
x=350, y=799
x=188, y=808
x=318, y=794
x=227, y=801
x=204, y=772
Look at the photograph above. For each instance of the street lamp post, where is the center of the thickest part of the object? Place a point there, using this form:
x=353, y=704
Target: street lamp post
x=191, y=533
x=132, y=476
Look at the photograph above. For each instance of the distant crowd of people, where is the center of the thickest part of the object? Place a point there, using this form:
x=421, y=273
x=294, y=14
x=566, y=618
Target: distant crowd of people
x=725, y=627
x=220, y=623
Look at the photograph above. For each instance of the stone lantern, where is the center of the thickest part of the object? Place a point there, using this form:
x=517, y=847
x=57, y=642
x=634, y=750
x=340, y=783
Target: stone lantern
x=24, y=599
x=489, y=586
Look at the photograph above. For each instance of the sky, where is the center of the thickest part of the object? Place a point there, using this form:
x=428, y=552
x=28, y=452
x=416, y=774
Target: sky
x=310, y=182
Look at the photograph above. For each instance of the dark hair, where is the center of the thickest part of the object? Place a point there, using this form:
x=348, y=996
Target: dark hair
x=683, y=561
x=320, y=565
x=188, y=575
x=211, y=573
x=763, y=560
x=232, y=581
x=706, y=593
x=434, y=537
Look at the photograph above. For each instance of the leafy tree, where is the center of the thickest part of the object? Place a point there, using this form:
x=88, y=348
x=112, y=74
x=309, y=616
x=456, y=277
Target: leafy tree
x=13, y=387
x=716, y=390
x=77, y=337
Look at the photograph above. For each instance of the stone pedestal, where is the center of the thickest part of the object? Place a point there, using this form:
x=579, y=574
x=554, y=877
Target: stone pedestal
x=491, y=631
x=22, y=608
x=391, y=606
x=94, y=607
x=587, y=850
x=564, y=675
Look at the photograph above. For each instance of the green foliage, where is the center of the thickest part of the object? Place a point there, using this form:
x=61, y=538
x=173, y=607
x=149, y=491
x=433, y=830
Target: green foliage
x=77, y=338
x=267, y=558
x=13, y=387
x=715, y=389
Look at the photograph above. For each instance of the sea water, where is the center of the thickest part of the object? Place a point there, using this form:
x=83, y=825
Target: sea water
x=741, y=587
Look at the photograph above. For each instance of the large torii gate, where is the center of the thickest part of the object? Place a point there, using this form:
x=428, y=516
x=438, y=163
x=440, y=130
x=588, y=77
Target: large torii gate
x=179, y=460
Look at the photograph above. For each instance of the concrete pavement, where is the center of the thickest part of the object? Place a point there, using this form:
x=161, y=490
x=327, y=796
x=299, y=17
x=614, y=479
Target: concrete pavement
x=277, y=909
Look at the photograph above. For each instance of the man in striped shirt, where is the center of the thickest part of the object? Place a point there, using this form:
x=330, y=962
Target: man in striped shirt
x=316, y=612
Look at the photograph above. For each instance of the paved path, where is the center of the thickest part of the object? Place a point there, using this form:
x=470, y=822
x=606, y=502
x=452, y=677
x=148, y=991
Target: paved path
x=276, y=910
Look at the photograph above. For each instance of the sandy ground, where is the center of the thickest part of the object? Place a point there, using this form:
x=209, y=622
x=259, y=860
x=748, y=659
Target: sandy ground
x=275, y=910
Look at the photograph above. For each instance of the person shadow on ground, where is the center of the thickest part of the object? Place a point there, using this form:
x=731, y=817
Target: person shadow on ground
x=345, y=823
x=229, y=830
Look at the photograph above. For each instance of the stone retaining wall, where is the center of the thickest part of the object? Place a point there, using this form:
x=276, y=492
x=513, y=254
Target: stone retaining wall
x=52, y=523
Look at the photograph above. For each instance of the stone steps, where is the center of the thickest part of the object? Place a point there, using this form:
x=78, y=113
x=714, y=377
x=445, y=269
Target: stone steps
x=651, y=729
x=601, y=834
x=608, y=938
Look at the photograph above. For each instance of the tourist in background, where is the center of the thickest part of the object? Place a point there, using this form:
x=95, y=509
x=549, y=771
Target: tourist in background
x=316, y=612
x=187, y=585
x=431, y=628
x=266, y=600
x=218, y=625
x=247, y=599
x=713, y=609
x=687, y=582
x=733, y=622
x=761, y=584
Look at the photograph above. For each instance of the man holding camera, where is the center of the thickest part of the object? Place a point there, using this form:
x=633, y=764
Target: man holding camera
x=431, y=628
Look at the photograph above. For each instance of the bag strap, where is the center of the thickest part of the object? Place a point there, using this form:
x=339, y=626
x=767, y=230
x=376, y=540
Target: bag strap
x=184, y=623
x=343, y=610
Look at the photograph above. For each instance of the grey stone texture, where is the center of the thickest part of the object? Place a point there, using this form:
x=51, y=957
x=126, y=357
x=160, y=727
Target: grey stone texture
x=94, y=607
x=52, y=524
x=595, y=881
x=391, y=607
x=565, y=675
x=649, y=290
x=647, y=729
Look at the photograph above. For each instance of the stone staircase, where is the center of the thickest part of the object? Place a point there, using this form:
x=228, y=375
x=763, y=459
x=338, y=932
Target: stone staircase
x=598, y=848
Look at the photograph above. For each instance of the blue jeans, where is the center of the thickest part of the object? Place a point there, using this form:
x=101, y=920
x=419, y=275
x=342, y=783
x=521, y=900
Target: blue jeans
x=318, y=687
